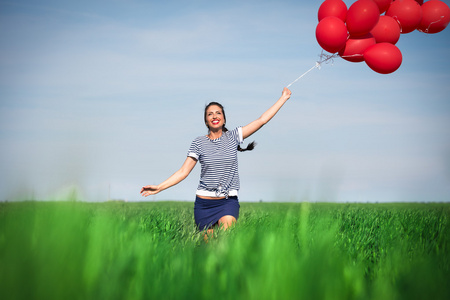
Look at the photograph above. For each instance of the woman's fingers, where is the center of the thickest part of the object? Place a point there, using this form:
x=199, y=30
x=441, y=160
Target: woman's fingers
x=286, y=92
x=149, y=190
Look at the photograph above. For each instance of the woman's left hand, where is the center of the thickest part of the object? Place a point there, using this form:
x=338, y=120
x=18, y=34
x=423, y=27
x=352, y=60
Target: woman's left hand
x=286, y=93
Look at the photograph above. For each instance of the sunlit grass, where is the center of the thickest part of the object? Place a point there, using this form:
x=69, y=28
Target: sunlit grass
x=72, y=250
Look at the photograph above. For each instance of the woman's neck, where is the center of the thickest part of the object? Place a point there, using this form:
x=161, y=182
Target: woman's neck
x=215, y=134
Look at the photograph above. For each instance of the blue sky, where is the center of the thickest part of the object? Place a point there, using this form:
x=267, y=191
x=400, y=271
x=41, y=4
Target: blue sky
x=106, y=96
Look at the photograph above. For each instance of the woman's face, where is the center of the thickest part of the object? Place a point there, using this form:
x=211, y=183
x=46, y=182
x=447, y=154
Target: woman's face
x=214, y=117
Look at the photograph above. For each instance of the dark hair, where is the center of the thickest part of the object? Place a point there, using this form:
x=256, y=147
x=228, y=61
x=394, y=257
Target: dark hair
x=249, y=147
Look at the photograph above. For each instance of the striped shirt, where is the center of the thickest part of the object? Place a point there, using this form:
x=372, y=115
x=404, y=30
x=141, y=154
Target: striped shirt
x=219, y=175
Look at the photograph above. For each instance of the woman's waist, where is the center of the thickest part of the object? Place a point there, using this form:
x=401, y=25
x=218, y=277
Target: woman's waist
x=215, y=195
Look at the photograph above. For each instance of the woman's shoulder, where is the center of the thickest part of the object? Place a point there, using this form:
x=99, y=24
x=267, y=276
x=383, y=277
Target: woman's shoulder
x=235, y=133
x=234, y=130
x=199, y=139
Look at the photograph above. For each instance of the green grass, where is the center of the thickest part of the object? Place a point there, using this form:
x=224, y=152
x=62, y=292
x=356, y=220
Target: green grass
x=73, y=250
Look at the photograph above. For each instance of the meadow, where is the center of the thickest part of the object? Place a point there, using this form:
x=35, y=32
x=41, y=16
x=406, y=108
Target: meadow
x=152, y=250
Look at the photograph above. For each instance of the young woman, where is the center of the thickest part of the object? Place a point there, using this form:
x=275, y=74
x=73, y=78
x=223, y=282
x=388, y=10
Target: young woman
x=216, y=200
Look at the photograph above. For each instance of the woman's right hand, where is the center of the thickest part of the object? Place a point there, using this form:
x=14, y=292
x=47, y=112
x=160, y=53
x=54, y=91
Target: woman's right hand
x=150, y=190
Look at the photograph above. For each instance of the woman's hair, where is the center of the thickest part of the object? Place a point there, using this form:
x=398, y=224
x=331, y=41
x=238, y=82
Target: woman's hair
x=249, y=147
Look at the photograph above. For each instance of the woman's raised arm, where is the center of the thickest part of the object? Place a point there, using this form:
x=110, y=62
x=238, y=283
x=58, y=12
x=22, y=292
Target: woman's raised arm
x=251, y=128
x=176, y=178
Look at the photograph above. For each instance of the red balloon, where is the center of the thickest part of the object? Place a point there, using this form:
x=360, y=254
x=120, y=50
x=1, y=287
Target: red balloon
x=383, y=5
x=436, y=16
x=331, y=34
x=407, y=12
x=355, y=47
x=387, y=30
x=362, y=16
x=336, y=8
x=383, y=58
x=420, y=2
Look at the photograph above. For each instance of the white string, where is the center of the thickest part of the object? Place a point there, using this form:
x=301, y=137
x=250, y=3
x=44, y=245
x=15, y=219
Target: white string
x=431, y=23
x=316, y=66
x=323, y=58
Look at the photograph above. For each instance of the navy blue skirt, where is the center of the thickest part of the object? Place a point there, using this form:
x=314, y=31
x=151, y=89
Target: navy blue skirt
x=208, y=212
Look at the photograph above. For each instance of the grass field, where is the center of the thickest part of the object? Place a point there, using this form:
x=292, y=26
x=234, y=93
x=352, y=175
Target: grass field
x=75, y=250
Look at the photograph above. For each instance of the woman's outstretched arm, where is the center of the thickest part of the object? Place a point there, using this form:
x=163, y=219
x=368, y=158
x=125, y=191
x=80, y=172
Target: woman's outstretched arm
x=176, y=178
x=251, y=128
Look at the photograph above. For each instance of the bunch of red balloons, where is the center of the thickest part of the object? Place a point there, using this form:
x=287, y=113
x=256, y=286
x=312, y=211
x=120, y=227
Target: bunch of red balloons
x=369, y=29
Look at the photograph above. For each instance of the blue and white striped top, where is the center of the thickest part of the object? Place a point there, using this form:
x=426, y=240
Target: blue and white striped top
x=219, y=175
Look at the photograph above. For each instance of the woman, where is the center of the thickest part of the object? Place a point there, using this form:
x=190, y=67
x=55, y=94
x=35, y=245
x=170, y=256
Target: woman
x=216, y=200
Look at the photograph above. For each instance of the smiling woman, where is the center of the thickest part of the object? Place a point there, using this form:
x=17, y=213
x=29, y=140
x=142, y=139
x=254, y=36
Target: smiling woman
x=216, y=202
x=214, y=111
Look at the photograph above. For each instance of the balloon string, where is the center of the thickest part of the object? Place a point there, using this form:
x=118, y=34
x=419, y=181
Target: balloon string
x=323, y=58
x=315, y=66
x=431, y=23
